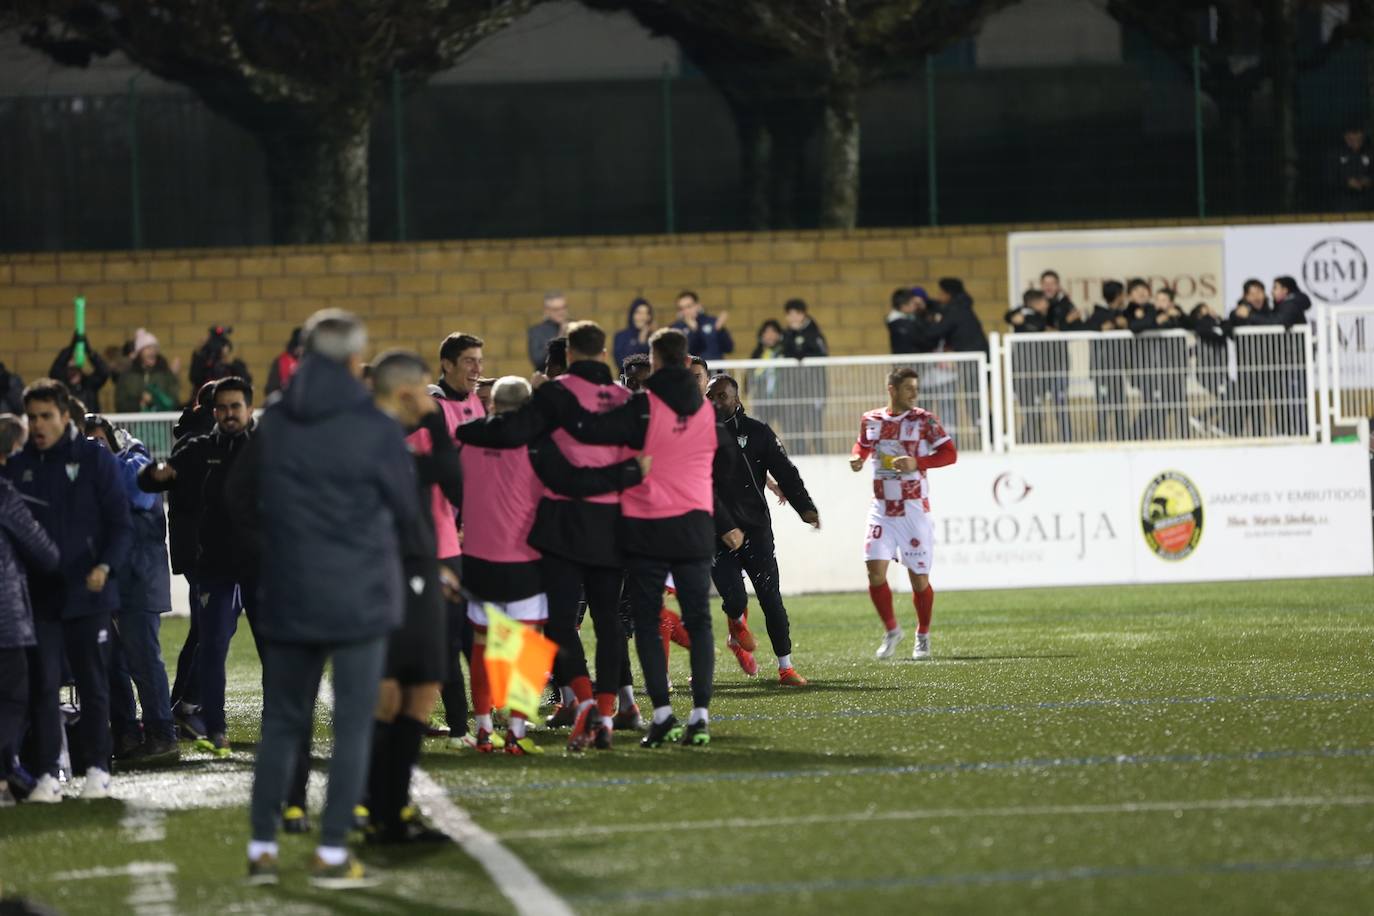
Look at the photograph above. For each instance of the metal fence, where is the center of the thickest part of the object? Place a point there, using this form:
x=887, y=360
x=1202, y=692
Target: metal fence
x=1349, y=338
x=1087, y=389
x=815, y=405
x=152, y=429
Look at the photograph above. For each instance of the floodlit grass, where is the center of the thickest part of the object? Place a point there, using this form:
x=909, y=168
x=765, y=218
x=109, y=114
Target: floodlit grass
x=1194, y=748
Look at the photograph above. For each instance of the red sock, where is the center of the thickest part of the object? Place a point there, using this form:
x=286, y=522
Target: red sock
x=581, y=687
x=925, y=605
x=882, y=602
x=481, y=687
x=605, y=704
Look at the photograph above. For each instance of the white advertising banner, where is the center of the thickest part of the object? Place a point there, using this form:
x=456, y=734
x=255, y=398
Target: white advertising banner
x=1101, y=518
x=1330, y=261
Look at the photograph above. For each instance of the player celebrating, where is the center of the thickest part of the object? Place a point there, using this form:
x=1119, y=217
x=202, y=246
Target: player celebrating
x=904, y=441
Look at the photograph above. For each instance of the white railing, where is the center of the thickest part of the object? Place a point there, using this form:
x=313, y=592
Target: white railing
x=152, y=429
x=1349, y=351
x=1088, y=389
x=815, y=405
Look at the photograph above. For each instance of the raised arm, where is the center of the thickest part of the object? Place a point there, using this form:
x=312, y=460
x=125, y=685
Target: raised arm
x=565, y=478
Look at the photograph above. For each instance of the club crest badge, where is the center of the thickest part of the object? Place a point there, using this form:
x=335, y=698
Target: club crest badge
x=73, y=470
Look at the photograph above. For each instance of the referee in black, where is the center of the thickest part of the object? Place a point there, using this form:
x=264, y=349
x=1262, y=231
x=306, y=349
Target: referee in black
x=746, y=496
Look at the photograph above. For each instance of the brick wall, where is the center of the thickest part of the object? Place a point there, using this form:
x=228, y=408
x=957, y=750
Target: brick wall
x=413, y=294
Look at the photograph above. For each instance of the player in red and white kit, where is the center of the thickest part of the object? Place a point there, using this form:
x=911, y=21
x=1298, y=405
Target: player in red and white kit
x=904, y=442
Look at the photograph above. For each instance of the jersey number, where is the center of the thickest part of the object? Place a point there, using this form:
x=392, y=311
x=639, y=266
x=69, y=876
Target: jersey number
x=875, y=532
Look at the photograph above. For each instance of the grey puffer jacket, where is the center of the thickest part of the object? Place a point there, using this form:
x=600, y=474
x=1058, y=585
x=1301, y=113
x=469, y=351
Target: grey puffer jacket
x=23, y=545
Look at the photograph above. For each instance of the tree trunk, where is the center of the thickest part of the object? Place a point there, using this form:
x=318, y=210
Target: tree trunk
x=1282, y=27
x=756, y=152
x=840, y=159
x=317, y=175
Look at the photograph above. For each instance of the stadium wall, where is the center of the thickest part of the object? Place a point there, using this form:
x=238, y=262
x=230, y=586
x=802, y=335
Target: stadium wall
x=1107, y=517
x=411, y=294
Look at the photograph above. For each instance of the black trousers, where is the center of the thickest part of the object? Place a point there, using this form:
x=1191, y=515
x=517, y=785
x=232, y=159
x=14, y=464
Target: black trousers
x=454, y=691
x=184, y=685
x=755, y=557
x=565, y=582
x=86, y=643
x=14, y=703
x=646, y=577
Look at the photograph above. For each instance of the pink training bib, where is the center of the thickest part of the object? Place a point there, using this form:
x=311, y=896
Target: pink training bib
x=683, y=448
x=594, y=398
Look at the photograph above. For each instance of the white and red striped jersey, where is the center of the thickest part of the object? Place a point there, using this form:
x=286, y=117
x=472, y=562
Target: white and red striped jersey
x=916, y=433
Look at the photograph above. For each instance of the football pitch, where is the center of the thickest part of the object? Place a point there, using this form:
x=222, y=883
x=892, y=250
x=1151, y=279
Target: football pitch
x=1198, y=749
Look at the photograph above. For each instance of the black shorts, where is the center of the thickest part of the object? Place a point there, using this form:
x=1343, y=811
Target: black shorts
x=417, y=652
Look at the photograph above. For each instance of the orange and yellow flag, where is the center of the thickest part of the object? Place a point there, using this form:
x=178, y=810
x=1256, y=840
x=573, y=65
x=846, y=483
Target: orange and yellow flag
x=519, y=659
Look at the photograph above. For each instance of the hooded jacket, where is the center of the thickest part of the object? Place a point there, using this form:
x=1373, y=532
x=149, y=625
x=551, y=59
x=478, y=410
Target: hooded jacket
x=24, y=548
x=761, y=454
x=144, y=584
x=75, y=491
x=576, y=530
x=684, y=537
x=341, y=487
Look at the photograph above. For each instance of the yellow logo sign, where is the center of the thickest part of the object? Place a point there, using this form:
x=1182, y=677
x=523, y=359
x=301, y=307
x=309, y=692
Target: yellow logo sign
x=1171, y=516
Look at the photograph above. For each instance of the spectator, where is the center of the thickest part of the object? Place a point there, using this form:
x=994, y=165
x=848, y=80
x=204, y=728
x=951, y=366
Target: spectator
x=1290, y=382
x=1211, y=370
x=1353, y=170
x=284, y=366
x=633, y=339
x=204, y=462
x=1161, y=365
x=803, y=338
x=341, y=486
x=1060, y=303
x=909, y=328
x=11, y=391
x=555, y=324
x=1109, y=362
x=145, y=593
x=1041, y=369
x=763, y=383
x=77, y=496
x=149, y=384
x=960, y=330
x=806, y=386
x=86, y=380
x=1290, y=303
x=215, y=359
x=25, y=549
x=1252, y=377
x=706, y=336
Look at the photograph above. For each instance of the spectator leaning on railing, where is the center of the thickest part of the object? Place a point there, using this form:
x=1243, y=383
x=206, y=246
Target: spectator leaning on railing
x=910, y=328
x=960, y=329
x=1109, y=362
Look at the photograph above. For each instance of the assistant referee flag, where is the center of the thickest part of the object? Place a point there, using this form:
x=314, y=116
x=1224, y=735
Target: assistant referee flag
x=518, y=660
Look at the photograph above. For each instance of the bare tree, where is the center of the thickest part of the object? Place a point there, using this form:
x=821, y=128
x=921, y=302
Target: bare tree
x=303, y=76
x=791, y=67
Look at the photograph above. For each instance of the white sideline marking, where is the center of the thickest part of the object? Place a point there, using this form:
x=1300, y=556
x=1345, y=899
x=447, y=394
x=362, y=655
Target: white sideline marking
x=132, y=870
x=1220, y=804
x=512, y=877
x=520, y=885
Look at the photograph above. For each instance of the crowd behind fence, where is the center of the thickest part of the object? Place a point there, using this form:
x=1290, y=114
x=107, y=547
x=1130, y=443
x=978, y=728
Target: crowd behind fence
x=1264, y=385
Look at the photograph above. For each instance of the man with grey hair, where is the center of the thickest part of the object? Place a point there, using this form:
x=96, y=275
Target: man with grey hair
x=342, y=490
x=555, y=324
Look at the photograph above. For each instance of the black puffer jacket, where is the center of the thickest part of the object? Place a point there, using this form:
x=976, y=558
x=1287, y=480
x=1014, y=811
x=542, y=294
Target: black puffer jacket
x=24, y=545
x=341, y=486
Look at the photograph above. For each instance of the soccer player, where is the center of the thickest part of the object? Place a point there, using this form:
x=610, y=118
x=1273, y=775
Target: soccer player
x=904, y=442
x=761, y=454
x=500, y=566
x=670, y=522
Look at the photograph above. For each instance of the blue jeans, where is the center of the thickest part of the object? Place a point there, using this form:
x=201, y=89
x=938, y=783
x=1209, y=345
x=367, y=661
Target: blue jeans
x=138, y=655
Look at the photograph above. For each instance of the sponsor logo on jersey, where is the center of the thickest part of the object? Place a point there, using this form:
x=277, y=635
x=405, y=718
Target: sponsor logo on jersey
x=1171, y=516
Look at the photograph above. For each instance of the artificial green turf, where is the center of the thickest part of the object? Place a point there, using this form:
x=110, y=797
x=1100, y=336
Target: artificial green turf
x=1194, y=748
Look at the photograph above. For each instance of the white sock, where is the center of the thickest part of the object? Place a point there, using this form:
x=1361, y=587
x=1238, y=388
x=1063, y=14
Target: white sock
x=331, y=855
x=784, y=662
x=483, y=722
x=517, y=726
x=257, y=848
x=698, y=714
x=662, y=714
x=627, y=697
x=566, y=696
